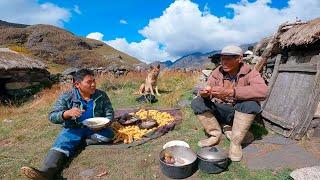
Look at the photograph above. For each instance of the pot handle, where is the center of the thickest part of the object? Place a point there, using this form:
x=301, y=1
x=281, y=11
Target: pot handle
x=213, y=149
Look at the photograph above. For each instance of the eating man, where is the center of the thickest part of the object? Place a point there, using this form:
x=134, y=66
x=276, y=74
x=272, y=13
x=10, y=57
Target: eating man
x=230, y=97
x=82, y=102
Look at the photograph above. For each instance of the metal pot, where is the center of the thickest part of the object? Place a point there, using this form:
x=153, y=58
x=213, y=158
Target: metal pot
x=212, y=160
x=179, y=170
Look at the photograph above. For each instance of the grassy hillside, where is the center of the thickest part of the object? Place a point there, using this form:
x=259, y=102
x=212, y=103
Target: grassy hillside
x=60, y=48
x=26, y=140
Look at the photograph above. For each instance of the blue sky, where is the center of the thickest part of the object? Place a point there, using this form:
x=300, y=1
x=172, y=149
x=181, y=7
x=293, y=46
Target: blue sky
x=159, y=30
x=105, y=16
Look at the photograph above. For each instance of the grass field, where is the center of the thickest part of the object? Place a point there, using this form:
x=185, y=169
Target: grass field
x=26, y=140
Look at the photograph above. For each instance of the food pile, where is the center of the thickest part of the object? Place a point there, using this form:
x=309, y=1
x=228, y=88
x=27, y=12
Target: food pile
x=150, y=120
x=170, y=159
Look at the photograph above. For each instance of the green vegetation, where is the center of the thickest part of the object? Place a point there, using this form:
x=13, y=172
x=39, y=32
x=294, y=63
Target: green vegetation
x=26, y=140
x=19, y=49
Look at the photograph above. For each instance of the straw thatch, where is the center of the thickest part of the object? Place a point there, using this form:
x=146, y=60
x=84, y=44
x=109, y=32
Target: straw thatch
x=13, y=60
x=292, y=36
x=300, y=34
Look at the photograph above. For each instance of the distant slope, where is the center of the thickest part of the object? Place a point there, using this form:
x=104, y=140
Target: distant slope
x=58, y=47
x=4, y=24
x=164, y=64
x=199, y=60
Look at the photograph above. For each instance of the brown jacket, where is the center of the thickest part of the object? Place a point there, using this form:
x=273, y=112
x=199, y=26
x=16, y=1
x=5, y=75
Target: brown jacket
x=249, y=84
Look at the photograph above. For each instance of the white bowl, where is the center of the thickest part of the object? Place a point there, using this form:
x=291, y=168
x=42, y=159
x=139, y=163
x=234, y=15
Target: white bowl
x=96, y=122
x=175, y=143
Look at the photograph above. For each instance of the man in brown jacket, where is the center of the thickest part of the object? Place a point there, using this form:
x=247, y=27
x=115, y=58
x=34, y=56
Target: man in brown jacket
x=231, y=96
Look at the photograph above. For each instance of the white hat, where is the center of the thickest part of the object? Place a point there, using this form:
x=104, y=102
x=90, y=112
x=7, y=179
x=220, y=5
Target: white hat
x=232, y=50
x=248, y=52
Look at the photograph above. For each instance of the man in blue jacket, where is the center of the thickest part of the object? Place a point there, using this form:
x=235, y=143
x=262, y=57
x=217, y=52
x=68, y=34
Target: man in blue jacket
x=82, y=102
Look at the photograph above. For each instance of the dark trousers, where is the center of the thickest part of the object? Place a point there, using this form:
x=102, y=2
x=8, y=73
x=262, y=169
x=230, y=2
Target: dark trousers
x=224, y=112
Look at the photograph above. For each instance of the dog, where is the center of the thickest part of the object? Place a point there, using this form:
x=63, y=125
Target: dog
x=150, y=86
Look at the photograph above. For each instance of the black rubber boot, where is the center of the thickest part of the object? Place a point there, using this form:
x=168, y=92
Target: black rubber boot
x=52, y=164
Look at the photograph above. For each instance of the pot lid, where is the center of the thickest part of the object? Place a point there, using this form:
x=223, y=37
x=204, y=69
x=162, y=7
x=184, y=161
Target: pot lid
x=214, y=153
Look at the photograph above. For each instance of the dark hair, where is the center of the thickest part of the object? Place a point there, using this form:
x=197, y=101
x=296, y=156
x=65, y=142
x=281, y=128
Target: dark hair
x=79, y=75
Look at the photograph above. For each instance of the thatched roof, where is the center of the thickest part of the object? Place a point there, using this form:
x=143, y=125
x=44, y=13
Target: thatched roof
x=301, y=34
x=13, y=60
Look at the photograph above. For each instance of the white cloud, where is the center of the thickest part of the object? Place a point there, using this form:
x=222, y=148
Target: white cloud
x=145, y=50
x=122, y=21
x=95, y=35
x=76, y=9
x=183, y=28
x=32, y=12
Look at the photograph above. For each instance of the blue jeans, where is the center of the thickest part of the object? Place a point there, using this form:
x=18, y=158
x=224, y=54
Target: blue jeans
x=70, y=139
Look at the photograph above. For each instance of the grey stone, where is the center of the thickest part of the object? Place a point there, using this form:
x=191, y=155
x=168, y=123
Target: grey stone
x=184, y=103
x=87, y=172
x=276, y=139
x=251, y=149
x=290, y=156
x=70, y=71
x=7, y=121
x=308, y=173
x=316, y=132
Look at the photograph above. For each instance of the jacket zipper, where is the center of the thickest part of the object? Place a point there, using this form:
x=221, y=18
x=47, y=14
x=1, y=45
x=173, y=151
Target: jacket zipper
x=94, y=105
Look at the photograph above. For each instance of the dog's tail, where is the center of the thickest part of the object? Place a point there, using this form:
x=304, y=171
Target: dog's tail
x=136, y=93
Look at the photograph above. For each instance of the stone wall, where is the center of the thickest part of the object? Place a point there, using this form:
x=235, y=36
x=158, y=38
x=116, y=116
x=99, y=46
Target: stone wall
x=23, y=82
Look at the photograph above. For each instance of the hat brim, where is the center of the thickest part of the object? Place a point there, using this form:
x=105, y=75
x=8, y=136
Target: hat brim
x=230, y=54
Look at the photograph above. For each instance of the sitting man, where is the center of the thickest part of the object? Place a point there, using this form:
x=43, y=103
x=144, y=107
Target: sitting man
x=231, y=95
x=82, y=102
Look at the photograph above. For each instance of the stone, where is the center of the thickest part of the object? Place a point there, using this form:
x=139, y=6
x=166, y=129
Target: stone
x=87, y=173
x=251, y=149
x=7, y=121
x=316, y=133
x=287, y=156
x=308, y=173
x=317, y=113
x=276, y=139
x=184, y=103
x=70, y=71
x=17, y=85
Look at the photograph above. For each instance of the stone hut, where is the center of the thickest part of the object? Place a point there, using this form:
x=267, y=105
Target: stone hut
x=20, y=75
x=292, y=108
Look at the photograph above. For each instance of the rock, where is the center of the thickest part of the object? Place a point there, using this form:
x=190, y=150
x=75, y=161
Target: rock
x=251, y=149
x=7, y=121
x=316, y=133
x=17, y=85
x=87, y=173
x=287, y=156
x=308, y=173
x=317, y=113
x=184, y=103
x=70, y=71
x=278, y=140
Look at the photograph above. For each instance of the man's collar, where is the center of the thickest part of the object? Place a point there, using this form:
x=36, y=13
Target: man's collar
x=76, y=96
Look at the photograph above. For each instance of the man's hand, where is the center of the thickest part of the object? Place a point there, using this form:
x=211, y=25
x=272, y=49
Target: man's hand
x=74, y=112
x=221, y=92
x=205, y=92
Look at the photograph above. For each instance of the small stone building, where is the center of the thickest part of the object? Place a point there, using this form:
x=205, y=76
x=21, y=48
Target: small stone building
x=21, y=75
x=293, y=53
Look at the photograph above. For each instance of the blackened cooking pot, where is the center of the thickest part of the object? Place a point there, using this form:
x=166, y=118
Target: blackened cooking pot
x=212, y=160
x=185, y=162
